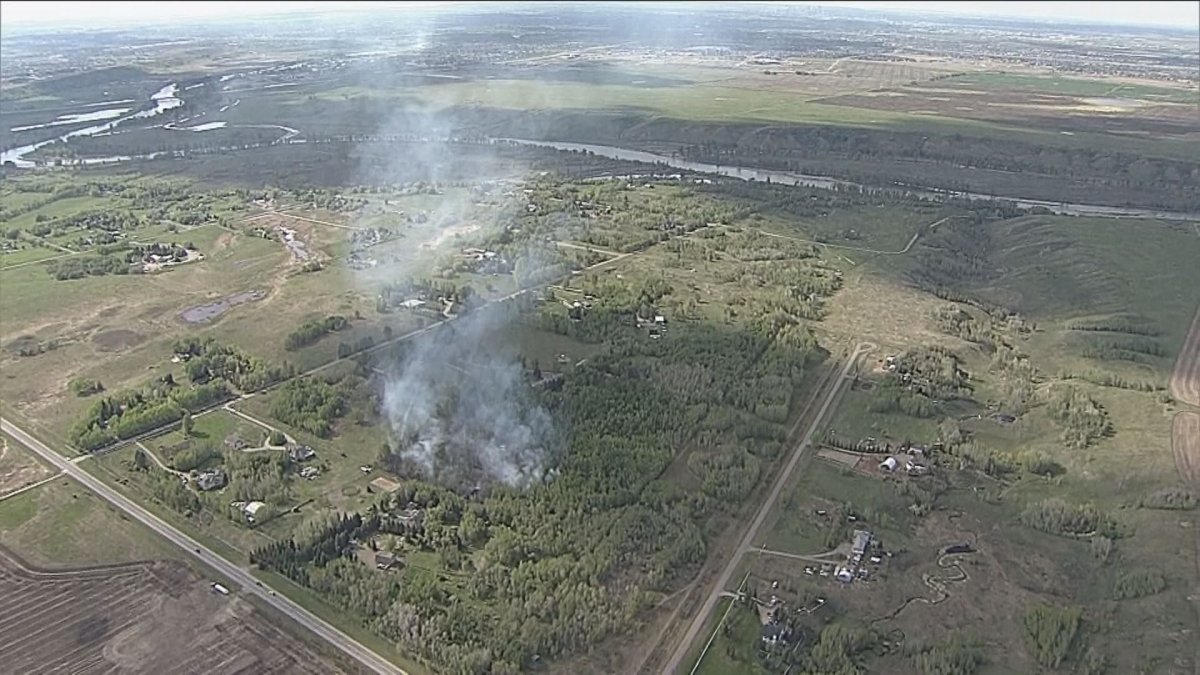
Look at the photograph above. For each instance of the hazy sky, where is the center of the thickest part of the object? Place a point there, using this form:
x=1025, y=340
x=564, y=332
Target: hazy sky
x=1182, y=14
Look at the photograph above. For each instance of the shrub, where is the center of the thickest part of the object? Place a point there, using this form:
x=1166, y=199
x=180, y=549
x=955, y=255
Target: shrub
x=85, y=387
x=1049, y=632
x=1139, y=583
x=1171, y=498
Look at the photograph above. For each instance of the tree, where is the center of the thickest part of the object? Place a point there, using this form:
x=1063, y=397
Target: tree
x=140, y=461
x=185, y=425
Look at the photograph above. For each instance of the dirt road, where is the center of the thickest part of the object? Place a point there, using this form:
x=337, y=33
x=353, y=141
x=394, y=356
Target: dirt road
x=714, y=595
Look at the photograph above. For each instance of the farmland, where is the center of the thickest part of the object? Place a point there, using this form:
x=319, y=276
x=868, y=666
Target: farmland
x=488, y=406
x=136, y=616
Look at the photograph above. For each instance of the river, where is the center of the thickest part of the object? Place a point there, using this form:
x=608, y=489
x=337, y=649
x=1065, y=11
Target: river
x=164, y=99
x=827, y=182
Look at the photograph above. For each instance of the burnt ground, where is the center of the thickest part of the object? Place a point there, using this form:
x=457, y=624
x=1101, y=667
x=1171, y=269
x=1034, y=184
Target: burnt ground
x=148, y=617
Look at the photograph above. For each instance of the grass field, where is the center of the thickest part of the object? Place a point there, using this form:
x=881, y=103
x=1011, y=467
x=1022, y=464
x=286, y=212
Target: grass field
x=1073, y=86
x=61, y=524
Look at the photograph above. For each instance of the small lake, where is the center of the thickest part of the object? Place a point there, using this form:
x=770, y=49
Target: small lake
x=210, y=311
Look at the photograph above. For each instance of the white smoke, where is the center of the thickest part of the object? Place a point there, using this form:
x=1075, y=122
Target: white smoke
x=459, y=411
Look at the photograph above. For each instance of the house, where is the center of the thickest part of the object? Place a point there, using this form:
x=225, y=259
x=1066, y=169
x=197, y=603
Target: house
x=774, y=633
x=861, y=542
x=411, y=515
x=251, y=509
x=300, y=453
x=660, y=320
x=210, y=480
x=844, y=575
x=888, y=464
x=385, y=560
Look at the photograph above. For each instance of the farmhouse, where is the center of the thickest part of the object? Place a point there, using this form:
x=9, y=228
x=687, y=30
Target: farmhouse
x=385, y=560
x=862, y=542
x=300, y=453
x=251, y=509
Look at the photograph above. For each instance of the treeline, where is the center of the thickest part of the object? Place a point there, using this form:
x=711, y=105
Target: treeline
x=1057, y=516
x=919, y=159
x=128, y=414
x=78, y=267
x=311, y=332
x=1130, y=324
x=1107, y=379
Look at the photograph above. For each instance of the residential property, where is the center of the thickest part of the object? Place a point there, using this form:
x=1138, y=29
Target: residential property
x=300, y=453
x=775, y=633
x=862, y=542
x=385, y=560
x=411, y=515
x=211, y=480
x=251, y=510
x=844, y=575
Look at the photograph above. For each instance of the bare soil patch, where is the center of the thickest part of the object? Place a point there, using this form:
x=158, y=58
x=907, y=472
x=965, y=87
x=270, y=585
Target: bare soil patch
x=150, y=617
x=118, y=339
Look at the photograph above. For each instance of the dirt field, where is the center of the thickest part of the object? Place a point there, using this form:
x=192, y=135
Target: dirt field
x=1045, y=110
x=1185, y=380
x=149, y=617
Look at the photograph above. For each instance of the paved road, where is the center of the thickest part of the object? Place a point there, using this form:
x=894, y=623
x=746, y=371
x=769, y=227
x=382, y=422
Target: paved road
x=369, y=659
x=747, y=541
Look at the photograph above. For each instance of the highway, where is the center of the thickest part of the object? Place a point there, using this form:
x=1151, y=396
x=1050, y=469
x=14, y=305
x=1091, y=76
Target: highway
x=746, y=544
x=369, y=659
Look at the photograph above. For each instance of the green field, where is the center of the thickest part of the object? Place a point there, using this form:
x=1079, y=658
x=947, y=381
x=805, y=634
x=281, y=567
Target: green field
x=61, y=524
x=1071, y=86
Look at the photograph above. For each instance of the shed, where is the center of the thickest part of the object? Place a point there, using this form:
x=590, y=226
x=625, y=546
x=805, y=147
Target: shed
x=888, y=464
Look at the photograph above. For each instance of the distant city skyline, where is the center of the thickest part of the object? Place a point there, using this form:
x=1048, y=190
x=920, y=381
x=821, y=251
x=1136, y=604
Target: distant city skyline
x=1178, y=14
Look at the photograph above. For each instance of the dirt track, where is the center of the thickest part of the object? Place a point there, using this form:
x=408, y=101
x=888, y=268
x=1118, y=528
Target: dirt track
x=1185, y=379
x=1185, y=442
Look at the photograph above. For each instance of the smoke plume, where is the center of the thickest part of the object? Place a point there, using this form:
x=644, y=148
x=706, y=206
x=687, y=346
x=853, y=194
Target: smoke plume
x=459, y=409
